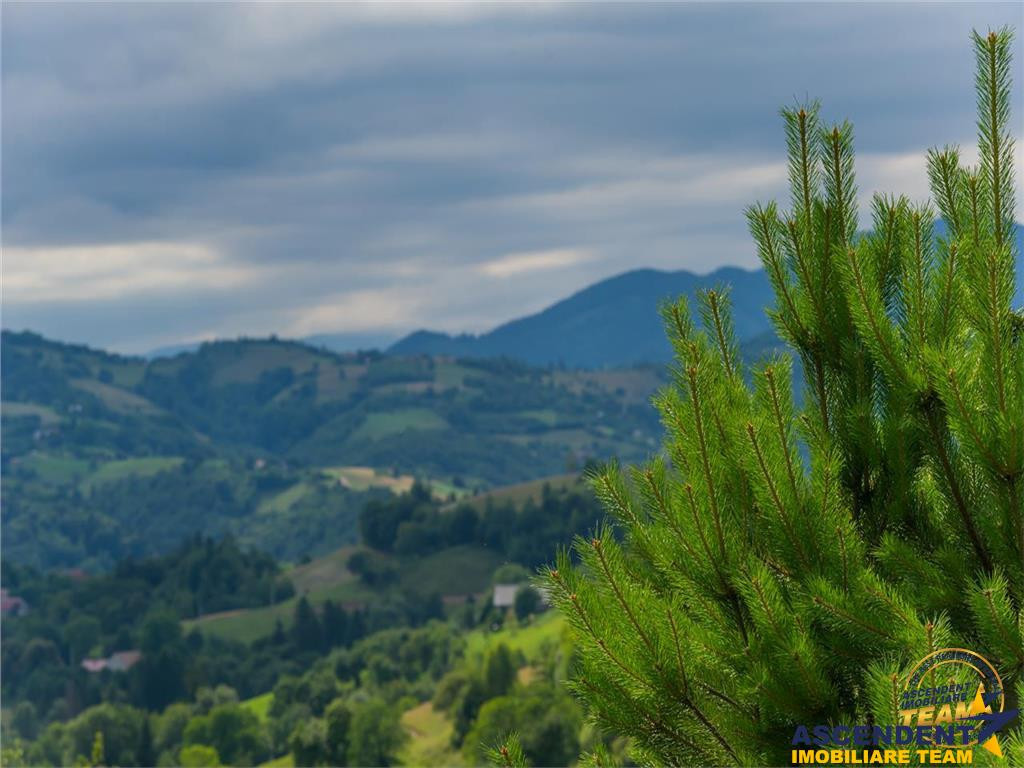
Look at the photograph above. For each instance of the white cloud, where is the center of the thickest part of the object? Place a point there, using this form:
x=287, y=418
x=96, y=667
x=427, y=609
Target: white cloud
x=116, y=271
x=673, y=182
x=356, y=311
x=514, y=264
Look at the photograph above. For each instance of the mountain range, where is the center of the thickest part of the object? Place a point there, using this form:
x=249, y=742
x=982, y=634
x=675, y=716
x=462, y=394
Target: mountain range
x=616, y=323
x=609, y=324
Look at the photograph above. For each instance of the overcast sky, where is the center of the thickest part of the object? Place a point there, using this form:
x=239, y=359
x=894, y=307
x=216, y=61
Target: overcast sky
x=182, y=172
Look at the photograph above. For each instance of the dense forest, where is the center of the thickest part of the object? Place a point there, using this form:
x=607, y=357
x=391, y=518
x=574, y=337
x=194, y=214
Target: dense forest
x=346, y=667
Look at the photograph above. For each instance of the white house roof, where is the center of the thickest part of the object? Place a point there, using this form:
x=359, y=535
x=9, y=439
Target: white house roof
x=505, y=595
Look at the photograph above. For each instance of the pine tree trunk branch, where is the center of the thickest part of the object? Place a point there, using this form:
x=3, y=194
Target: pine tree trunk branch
x=954, y=487
x=805, y=167
x=996, y=330
x=1016, y=649
x=851, y=618
x=769, y=374
x=705, y=458
x=995, y=141
x=858, y=280
x=599, y=549
x=574, y=600
x=688, y=489
x=842, y=552
x=947, y=303
x=720, y=333
x=790, y=530
x=965, y=416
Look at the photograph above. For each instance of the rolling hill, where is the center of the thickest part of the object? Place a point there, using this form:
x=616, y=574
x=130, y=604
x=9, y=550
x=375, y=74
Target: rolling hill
x=277, y=443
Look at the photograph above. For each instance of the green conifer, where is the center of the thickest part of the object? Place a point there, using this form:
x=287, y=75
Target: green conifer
x=786, y=564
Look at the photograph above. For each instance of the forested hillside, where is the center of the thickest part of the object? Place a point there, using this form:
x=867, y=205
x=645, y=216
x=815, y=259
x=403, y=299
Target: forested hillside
x=391, y=651
x=277, y=443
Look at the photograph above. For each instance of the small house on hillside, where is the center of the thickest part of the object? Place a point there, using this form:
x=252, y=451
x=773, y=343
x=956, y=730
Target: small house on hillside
x=505, y=595
x=122, y=661
x=119, y=661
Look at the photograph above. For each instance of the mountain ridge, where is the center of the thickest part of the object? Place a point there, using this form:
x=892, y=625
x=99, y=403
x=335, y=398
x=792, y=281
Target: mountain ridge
x=611, y=323
x=615, y=322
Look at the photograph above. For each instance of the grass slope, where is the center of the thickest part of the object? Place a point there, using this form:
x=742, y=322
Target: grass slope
x=430, y=731
x=430, y=736
x=533, y=490
x=454, y=571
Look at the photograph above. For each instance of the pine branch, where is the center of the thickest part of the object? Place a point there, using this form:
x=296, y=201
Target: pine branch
x=705, y=458
x=939, y=444
x=769, y=481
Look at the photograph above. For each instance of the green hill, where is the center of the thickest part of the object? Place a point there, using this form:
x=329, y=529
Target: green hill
x=277, y=443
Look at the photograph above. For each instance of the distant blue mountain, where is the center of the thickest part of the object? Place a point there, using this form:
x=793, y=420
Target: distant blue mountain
x=612, y=323
x=615, y=322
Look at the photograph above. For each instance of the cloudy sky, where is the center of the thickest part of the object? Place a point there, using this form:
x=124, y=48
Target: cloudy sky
x=182, y=172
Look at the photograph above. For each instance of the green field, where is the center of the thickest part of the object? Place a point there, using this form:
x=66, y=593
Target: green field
x=443, y=490
x=120, y=469
x=454, y=571
x=430, y=731
x=381, y=424
x=364, y=478
x=533, y=639
x=531, y=491
x=285, y=761
x=246, y=364
x=450, y=374
x=323, y=572
x=259, y=705
x=56, y=470
x=283, y=501
x=248, y=625
x=430, y=735
x=116, y=399
x=46, y=415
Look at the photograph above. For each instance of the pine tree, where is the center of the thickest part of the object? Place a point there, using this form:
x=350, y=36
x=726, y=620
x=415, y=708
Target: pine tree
x=144, y=753
x=786, y=564
x=97, y=756
x=307, y=631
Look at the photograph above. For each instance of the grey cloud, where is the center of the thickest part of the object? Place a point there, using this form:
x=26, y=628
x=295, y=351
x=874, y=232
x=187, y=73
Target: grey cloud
x=389, y=149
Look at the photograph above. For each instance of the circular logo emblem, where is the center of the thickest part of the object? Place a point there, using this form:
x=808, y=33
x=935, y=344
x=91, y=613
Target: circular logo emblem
x=955, y=686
